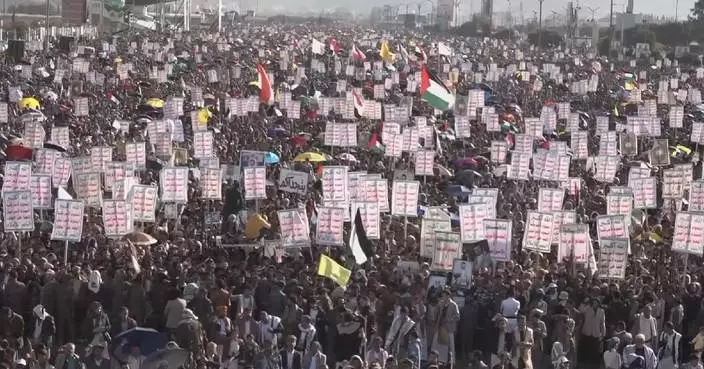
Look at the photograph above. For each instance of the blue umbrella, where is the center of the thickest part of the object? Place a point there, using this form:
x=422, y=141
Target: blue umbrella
x=148, y=340
x=170, y=358
x=277, y=132
x=457, y=190
x=271, y=158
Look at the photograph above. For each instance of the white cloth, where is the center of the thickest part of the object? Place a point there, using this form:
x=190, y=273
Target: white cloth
x=94, y=282
x=669, y=347
x=594, y=321
x=224, y=326
x=612, y=360
x=266, y=329
x=135, y=362
x=247, y=327
x=666, y=363
x=37, y=330
x=509, y=309
x=647, y=327
x=629, y=355
x=306, y=337
x=379, y=356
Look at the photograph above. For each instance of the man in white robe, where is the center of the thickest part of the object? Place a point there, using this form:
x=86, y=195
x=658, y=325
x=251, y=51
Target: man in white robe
x=639, y=354
x=669, y=347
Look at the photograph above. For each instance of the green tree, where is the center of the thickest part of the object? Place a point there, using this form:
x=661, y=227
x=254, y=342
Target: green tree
x=698, y=11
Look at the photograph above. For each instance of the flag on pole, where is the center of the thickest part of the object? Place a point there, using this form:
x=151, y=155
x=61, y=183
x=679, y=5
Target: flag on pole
x=266, y=93
x=329, y=268
x=357, y=54
x=385, y=52
x=420, y=54
x=334, y=46
x=358, y=103
x=404, y=55
x=434, y=92
x=359, y=243
x=317, y=47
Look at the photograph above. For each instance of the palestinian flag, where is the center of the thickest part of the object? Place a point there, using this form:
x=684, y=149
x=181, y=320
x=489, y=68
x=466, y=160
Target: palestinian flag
x=266, y=93
x=434, y=92
x=375, y=142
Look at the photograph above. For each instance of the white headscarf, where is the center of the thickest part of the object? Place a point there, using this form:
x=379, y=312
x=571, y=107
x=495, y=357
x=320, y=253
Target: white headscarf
x=94, y=281
x=40, y=312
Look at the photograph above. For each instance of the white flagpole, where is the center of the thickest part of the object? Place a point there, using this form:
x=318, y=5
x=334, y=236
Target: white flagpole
x=219, y=16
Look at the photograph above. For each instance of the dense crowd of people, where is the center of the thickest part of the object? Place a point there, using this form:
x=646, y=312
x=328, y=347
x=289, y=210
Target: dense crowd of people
x=211, y=281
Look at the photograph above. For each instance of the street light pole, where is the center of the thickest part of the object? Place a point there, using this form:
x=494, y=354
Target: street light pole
x=46, y=28
x=540, y=24
x=677, y=8
x=611, y=25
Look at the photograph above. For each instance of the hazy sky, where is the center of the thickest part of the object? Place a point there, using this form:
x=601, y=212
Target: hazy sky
x=656, y=7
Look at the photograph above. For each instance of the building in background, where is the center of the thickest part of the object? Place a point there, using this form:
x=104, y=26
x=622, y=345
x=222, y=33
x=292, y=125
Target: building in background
x=486, y=14
x=74, y=12
x=445, y=14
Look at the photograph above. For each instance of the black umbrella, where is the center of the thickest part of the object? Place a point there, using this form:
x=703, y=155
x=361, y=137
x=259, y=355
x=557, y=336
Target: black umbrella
x=155, y=164
x=53, y=146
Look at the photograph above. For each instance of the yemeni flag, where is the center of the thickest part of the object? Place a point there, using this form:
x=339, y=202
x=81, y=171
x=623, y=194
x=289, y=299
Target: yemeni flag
x=359, y=243
x=266, y=93
x=334, y=46
x=358, y=103
x=434, y=92
x=357, y=54
x=420, y=54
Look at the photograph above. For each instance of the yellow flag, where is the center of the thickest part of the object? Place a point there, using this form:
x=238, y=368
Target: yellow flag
x=203, y=116
x=329, y=268
x=385, y=52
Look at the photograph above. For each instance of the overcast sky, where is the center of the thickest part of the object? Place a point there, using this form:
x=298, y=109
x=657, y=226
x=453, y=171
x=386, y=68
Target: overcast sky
x=656, y=7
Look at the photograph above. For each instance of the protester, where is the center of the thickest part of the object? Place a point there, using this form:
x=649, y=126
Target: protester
x=288, y=196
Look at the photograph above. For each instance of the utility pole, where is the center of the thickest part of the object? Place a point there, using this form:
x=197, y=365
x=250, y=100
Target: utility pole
x=611, y=25
x=46, y=28
x=540, y=24
x=520, y=7
x=677, y=8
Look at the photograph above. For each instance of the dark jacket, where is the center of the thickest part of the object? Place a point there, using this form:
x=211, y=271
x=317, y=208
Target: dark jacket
x=296, y=363
x=48, y=330
x=12, y=326
x=90, y=363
